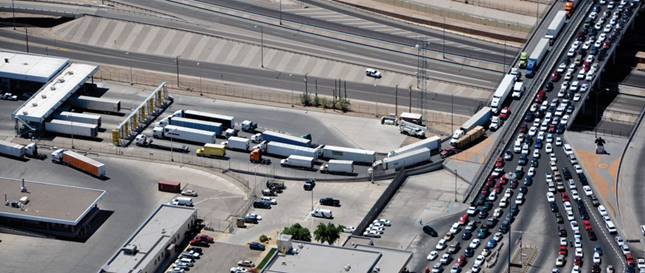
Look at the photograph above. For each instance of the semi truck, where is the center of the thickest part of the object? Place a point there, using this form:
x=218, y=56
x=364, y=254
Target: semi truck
x=570, y=7
x=298, y=161
x=256, y=156
x=432, y=143
x=71, y=128
x=146, y=141
x=237, y=143
x=17, y=150
x=78, y=161
x=481, y=118
x=193, y=123
x=284, y=150
x=280, y=137
x=337, y=166
x=470, y=137
x=536, y=57
x=212, y=150
x=184, y=134
x=352, y=154
x=80, y=117
x=404, y=160
x=226, y=121
x=524, y=56
x=248, y=126
x=556, y=26
x=98, y=104
x=502, y=92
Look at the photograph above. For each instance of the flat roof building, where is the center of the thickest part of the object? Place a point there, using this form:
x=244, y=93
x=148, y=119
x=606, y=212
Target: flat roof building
x=28, y=67
x=53, y=209
x=318, y=258
x=155, y=242
x=393, y=260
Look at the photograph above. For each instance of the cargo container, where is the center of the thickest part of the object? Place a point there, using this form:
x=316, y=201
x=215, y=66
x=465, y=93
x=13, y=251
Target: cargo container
x=344, y=153
x=184, y=134
x=285, y=150
x=536, y=57
x=502, y=92
x=78, y=161
x=12, y=149
x=237, y=143
x=556, y=25
x=481, y=118
x=226, y=121
x=407, y=159
x=97, y=104
x=470, y=137
x=192, y=123
x=169, y=186
x=71, y=128
x=298, y=161
x=80, y=117
x=432, y=143
x=212, y=150
x=280, y=137
x=337, y=166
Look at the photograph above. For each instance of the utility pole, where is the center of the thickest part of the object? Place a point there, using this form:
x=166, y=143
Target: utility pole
x=306, y=91
x=177, y=65
x=280, y=12
x=443, y=36
x=261, y=45
x=396, y=100
x=13, y=15
x=410, y=105
x=27, y=39
x=452, y=112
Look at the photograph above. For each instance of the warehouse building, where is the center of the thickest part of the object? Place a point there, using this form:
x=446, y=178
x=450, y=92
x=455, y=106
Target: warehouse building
x=155, y=242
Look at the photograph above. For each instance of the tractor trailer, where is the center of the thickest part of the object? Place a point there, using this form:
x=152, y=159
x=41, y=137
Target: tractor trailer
x=280, y=137
x=470, y=137
x=226, y=121
x=556, y=25
x=404, y=160
x=432, y=143
x=344, y=153
x=193, y=123
x=298, y=161
x=285, y=150
x=78, y=161
x=184, y=134
x=481, y=118
x=17, y=150
x=502, y=92
x=536, y=57
x=98, y=104
x=237, y=143
x=71, y=128
x=337, y=166
x=80, y=117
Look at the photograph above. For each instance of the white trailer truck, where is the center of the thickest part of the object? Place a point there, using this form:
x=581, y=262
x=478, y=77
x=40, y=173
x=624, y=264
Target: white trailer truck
x=12, y=149
x=237, y=143
x=184, y=134
x=80, y=117
x=98, y=104
x=344, y=153
x=298, y=161
x=284, y=150
x=337, y=166
x=71, y=128
x=536, y=57
x=481, y=118
x=502, y=92
x=432, y=143
x=403, y=160
x=556, y=25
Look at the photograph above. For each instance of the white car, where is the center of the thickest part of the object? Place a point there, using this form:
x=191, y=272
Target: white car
x=532, y=131
x=454, y=228
x=587, y=190
x=602, y=210
x=577, y=97
x=559, y=262
x=440, y=245
x=550, y=197
x=577, y=242
x=536, y=153
x=498, y=212
x=620, y=241
x=498, y=236
x=578, y=168
x=371, y=72
x=563, y=241
x=558, y=141
x=433, y=255
x=596, y=258
x=579, y=252
x=531, y=172
x=471, y=211
x=575, y=269
x=273, y=201
x=548, y=148
x=479, y=260
x=574, y=225
x=383, y=221
x=574, y=194
x=474, y=243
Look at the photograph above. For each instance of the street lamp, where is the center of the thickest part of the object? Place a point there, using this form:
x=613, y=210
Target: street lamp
x=170, y=132
x=261, y=45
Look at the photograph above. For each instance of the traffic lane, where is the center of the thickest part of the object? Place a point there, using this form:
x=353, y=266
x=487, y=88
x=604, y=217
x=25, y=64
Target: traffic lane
x=374, y=93
x=427, y=243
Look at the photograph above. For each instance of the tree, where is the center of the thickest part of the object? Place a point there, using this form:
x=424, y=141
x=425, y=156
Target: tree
x=329, y=233
x=298, y=232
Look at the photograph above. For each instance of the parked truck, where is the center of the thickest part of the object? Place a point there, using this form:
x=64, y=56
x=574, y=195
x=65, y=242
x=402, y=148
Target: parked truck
x=570, y=7
x=212, y=150
x=97, y=104
x=556, y=26
x=226, y=121
x=12, y=149
x=536, y=57
x=192, y=123
x=432, y=143
x=71, y=128
x=404, y=160
x=284, y=150
x=337, y=166
x=481, y=118
x=248, y=126
x=80, y=117
x=146, y=141
x=280, y=137
x=169, y=186
x=502, y=92
x=352, y=154
x=298, y=161
x=184, y=134
x=256, y=156
x=412, y=129
x=78, y=161
x=237, y=143
x=470, y=137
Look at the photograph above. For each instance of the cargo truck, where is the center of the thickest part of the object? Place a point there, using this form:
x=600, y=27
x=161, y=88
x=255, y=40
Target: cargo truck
x=344, y=153
x=284, y=150
x=536, y=57
x=523, y=58
x=78, y=161
x=226, y=121
x=145, y=141
x=98, y=104
x=12, y=149
x=556, y=26
x=212, y=150
x=169, y=186
x=192, y=123
x=184, y=134
x=237, y=143
x=248, y=126
x=298, y=161
x=404, y=160
x=502, y=92
x=432, y=143
x=337, y=166
x=280, y=137
x=470, y=137
x=412, y=129
x=481, y=118
x=80, y=117
x=256, y=156
x=411, y=117
x=570, y=7
x=71, y=128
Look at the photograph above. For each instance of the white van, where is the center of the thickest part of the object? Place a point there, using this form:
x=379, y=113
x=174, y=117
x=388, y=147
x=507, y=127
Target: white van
x=611, y=227
x=182, y=201
x=322, y=213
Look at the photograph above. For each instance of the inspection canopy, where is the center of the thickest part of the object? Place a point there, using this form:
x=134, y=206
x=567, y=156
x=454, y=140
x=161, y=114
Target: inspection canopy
x=28, y=67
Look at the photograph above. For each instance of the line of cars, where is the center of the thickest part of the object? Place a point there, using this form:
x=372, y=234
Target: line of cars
x=377, y=228
x=187, y=259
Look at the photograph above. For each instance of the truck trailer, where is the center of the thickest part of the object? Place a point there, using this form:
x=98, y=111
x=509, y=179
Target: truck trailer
x=298, y=161
x=98, y=104
x=432, y=143
x=184, y=134
x=193, y=123
x=536, y=57
x=406, y=159
x=71, y=128
x=556, y=25
x=12, y=149
x=80, y=117
x=285, y=150
x=280, y=137
x=226, y=121
x=212, y=150
x=337, y=166
x=481, y=118
x=344, y=153
x=470, y=137
x=237, y=143
x=502, y=92
x=78, y=161
x=169, y=186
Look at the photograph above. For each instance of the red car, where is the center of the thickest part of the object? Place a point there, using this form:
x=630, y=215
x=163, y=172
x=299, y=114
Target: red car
x=464, y=219
x=514, y=184
x=565, y=197
x=524, y=129
x=578, y=261
x=499, y=163
x=505, y=113
x=587, y=225
x=564, y=251
x=555, y=76
x=448, y=152
x=503, y=180
x=205, y=238
x=629, y=259
x=551, y=128
x=461, y=261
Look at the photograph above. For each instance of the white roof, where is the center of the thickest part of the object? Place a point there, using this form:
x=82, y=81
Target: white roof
x=411, y=115
x=55, y=92
x=29, y=67
x=348, y=150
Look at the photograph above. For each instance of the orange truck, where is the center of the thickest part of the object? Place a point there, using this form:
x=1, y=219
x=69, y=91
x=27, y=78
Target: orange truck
x=78, y=161
x=569, y=7
x=256, y=157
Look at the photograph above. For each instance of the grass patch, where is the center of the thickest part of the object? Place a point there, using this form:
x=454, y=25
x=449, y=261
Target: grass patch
x=266, y=259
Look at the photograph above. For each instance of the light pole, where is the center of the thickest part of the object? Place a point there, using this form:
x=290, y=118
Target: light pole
x=177, y=64
x=13, y=15
x=172, y=158
x=280, y=12
x=443, y=37
x=71, y=132
x=26, y=39
x=261, y=45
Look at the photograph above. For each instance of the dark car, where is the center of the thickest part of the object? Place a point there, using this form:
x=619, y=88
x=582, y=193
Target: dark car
x=328, y=201
x=430, y=231
x=548, y=86
x=448, y=152
x=257, y=246
x=309, y=185
x=469, y=252
x=466, y=235
x=262, y=204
